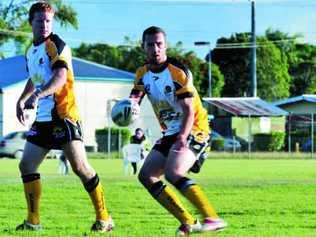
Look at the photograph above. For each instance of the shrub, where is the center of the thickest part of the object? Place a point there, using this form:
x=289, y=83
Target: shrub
x=119, y=137
x=217, y=144
x=269, y=141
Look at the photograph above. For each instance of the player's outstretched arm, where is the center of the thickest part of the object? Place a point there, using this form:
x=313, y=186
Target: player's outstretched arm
x=137, y=96
x=58, y=79
x=187, y=122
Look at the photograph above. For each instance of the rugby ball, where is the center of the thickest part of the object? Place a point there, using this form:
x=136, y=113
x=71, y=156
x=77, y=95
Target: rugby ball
x=125, y=112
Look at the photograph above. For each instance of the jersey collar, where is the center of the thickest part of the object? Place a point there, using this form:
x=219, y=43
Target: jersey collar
x=38, y=43
x=161, y=68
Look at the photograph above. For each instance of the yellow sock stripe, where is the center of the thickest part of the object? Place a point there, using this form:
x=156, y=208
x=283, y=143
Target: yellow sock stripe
x=32, y=191
x=97, y=199
x=169, y=200
x=198, y=198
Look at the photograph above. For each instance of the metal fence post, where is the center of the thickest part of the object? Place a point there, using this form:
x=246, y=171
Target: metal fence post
x=312, y=134
x=108, y=104
x=119, y=144
x=249, y=135
x=289, y=134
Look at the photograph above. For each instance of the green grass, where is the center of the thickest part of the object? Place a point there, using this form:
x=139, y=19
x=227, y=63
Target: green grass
x=257, y=197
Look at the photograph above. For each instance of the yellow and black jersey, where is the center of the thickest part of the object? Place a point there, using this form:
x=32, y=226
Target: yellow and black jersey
x=41, y=60
x=164, y=88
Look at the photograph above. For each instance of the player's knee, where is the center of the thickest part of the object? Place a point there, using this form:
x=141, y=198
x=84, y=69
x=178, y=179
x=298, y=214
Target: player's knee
x=156, y=188
x=142, y=177
x=92, y=183
x=147, y=179
x=183, y=183
x=26, y=167
x=172, y=176
x=22, y=166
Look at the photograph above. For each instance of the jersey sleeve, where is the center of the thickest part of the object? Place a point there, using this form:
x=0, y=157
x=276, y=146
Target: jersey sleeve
x=182, y=79
x=138, y=87
x=59, y=52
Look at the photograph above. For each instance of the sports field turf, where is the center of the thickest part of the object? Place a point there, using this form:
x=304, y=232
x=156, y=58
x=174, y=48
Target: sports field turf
x=256, y=197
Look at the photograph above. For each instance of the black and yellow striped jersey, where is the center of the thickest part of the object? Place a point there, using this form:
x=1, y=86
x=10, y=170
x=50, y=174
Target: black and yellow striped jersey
x=41, y=60
x=164, y=88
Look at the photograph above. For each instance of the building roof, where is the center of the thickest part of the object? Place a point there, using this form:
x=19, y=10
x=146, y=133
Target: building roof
x=88, y=69
x=296, y=99
x=13, y=70
x=246, y=106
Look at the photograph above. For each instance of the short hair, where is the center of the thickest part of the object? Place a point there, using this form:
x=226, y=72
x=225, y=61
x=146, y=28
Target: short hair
x=153, y=30
x=139, y=130
x=40, y=7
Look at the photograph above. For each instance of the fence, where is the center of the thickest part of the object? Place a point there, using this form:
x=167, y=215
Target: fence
x=294, y=133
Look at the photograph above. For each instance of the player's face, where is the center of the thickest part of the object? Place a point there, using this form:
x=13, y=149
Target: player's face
x=155, y=48
x=139, y=134
x=42, y=25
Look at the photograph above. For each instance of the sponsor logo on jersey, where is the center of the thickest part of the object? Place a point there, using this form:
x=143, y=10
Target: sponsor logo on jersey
x=41, y=61
x=58, y=132
x=168, y=89
x=168, y=115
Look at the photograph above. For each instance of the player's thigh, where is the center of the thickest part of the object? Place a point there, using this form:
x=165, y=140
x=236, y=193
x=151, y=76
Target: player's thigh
x=77, y=157
x=152, y=168
x=33, y=156
x=178, y=163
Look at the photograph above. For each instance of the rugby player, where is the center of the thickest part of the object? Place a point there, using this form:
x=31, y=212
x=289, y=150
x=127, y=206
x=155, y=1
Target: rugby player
x=50, y=88
x=177, y=105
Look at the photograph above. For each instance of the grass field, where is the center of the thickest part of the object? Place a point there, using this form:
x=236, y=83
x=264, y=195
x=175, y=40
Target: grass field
x=259, y=197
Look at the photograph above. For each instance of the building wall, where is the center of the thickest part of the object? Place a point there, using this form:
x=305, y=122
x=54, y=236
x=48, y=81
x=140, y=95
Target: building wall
x=241, y=126
x=10, y=122
x=1, y=114
x=95, y=100
x=300, y=108
x=92, y=99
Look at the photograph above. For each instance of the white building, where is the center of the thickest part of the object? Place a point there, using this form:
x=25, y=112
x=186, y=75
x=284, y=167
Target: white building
x=96, y=87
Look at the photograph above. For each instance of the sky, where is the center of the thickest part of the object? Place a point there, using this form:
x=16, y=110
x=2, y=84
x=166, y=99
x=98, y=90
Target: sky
x=109, y=21
x=188, y=21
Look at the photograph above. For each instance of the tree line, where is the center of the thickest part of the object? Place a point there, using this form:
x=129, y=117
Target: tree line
x=285, y=67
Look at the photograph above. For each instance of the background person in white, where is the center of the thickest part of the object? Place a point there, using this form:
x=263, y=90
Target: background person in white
x=57, y=124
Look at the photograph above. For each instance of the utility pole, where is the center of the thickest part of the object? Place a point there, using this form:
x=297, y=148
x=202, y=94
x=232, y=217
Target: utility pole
x=203, y=43
x=253, y=50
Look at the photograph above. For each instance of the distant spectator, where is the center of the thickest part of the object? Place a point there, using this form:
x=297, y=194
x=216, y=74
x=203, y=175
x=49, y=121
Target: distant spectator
x=63, y=164
x=137, y=138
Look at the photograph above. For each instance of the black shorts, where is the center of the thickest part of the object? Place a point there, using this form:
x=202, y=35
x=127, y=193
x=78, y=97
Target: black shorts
x=196, y=143
x=54, y=134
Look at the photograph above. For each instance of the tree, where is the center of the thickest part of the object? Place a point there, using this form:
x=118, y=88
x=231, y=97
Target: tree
x=285, y=42
x=301, y=59
x=234, y=62
x=14, y=25
x=303, y=70
x=199, y=70
x=218, y=81
x=272, y=72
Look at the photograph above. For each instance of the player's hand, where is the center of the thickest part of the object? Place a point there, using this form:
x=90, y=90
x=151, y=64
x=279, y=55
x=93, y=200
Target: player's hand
x=31, y=103
x=180, y=144
x=20, y=112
